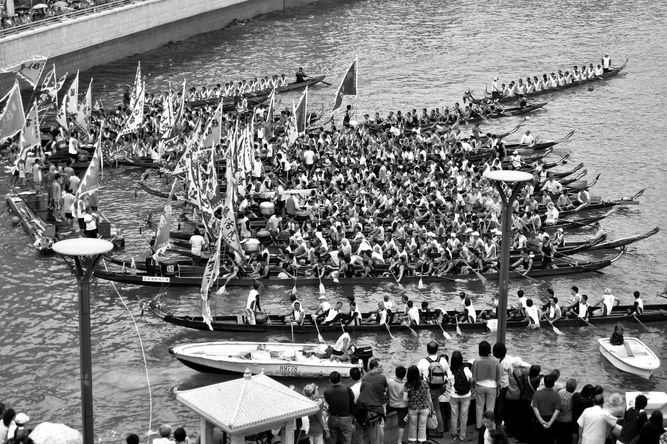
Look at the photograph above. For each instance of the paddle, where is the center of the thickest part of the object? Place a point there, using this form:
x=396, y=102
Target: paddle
x=291, y=327
x=319, y=336
x=640, y=322
x=294, y=288
x=396, y=279
x=447, y=336
x=527, y=277
x=458, y=329
x=584, y=320
x=481, y=278
x=322, y=289
x=556, y=330
x=414, y=333
x=421, y=285
x=389, y=331
x=628, y=350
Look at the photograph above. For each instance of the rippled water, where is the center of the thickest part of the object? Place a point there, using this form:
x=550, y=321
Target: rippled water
x=415, y=54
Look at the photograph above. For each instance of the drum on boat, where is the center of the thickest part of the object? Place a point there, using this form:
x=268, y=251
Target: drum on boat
x=169, y=267
x=267, y=208
x=82, y=157
x=263, y=235
x=251, y=245
x=301, y=215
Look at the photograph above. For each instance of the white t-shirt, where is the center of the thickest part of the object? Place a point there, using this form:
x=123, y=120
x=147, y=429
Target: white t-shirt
x=91, y=223
x=608, y=301
x=309, y=157
x=252, y=299
x=413, y=314
x=197, y=242
x=596, y=424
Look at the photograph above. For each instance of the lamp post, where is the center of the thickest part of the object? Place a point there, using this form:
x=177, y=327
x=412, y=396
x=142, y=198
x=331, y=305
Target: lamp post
x=515, y=180
x=86, y=253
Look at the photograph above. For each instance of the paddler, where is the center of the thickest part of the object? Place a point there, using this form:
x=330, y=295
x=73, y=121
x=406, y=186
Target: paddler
x=553, y=312
x=300, y=76
x=298, y=314
x=637, y=306
x=606, y=63
x=608, y=302
x=323, y=309
x=527, y=139
x=533, y=314
x=252, y=304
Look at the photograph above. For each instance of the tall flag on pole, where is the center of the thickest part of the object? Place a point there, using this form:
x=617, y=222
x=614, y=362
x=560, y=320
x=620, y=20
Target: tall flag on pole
x=348, y=86
x=61, y=116
x=31, y=133
x=162, y=237
x=167, y=117
x=91, y=180
x=85, y=110
x=301, y=113
x=228, y=230
x=211, y=273
x=133, y=123
x=212, y=131
x=30, y=70
x=272, y=107
x=73, y=96
x=12, y=116
x=137, y=88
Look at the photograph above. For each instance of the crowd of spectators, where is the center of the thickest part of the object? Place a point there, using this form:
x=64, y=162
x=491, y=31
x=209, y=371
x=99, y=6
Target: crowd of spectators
x=43, y=10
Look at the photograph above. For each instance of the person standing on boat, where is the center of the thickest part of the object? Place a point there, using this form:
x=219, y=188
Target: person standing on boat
x=252, y=305
x=197, y=243
x=495, y=91
x=533, y=314
x=606, y=63
x=608, y=302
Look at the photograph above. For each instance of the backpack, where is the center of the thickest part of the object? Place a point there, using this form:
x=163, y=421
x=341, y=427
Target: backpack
x=436, y=376
x=461, y=382
x=514, y=387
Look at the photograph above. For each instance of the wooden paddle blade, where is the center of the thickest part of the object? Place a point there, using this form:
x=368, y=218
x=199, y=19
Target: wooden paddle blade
x=447, y=336
x=320, y=338
x=294, y=290
x=322, y=289
x=221, y=290
x=458, y=330
x=556, y=330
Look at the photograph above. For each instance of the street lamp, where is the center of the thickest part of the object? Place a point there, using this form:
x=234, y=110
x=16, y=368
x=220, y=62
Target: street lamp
x=515, y=180
x=85, y=251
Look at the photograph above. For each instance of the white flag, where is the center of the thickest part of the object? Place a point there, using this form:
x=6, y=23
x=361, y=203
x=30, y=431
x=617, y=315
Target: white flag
x=137, y=88
x=84, y=111
x=31, y=133
x=31, y=70
x=12, y=116
x=73, y=96
x=61, y=116
x=133, y=123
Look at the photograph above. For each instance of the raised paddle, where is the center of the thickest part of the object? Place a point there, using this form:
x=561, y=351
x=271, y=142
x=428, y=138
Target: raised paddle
x=319, y=336
x=294, y=288
x=447, y=336
x=291, y=328
x=421, y=285
x=396, y=279
x=414, y=333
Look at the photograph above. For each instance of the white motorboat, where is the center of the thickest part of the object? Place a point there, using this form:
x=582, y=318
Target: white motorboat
x=272, y=358
x=632, y=357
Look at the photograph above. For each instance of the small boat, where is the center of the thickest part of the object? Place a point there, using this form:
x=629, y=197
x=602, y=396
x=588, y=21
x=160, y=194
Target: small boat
x=631, y=357
x=505, y=99
x=271, y=358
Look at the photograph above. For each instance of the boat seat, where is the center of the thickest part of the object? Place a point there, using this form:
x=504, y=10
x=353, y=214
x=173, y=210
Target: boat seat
x=261, y=355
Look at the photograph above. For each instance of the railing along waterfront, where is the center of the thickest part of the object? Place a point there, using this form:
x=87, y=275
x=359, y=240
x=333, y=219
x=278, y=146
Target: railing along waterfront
x=6, y=32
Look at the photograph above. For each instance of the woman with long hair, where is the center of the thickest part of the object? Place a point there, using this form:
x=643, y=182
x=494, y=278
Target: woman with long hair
x=461, y=383
x=419, y=404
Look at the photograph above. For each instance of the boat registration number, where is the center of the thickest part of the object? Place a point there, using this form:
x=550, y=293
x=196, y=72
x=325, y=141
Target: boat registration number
x=288, y=369
x=155, y=279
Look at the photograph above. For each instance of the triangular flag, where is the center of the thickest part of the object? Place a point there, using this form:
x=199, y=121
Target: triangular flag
x=137, y=88
x=61, y=116
x=73, y=96
x=272, y=106
x=12, y=117
x=162, y=237
x=85, y=110
x=348, y=86
x=31, y=70
x=91, y=180
x=133, y=123
x=301, y=113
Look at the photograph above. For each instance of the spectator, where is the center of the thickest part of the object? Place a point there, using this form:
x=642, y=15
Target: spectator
x=419, y=404
x=595, y=423
x=633, y=420
x=165, y=433
x=132, y=439
x=546, y=405
x=507, y=364
x=340, y=400
x=370, y=404
x=461, y=383
x=434, y=369
x=563, y=425
x=486, y=373
x=397, y=402
x=652, y=430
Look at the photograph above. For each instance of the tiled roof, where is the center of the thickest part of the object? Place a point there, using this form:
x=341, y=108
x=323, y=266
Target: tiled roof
x=247, y=403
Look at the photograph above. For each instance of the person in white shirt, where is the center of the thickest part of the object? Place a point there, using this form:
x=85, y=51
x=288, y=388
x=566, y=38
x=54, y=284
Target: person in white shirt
x=527, y=139
x=552, y=214
x=595, y=423
x=252, y=304
x=397, y=402
x=608, y=302
x=197, y=243
x=515, y=160
x=165, y=432
x=533, y=314
x=413, y=314
x=322, y=309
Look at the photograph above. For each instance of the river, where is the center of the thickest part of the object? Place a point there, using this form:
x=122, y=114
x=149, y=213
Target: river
x=417, y=54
